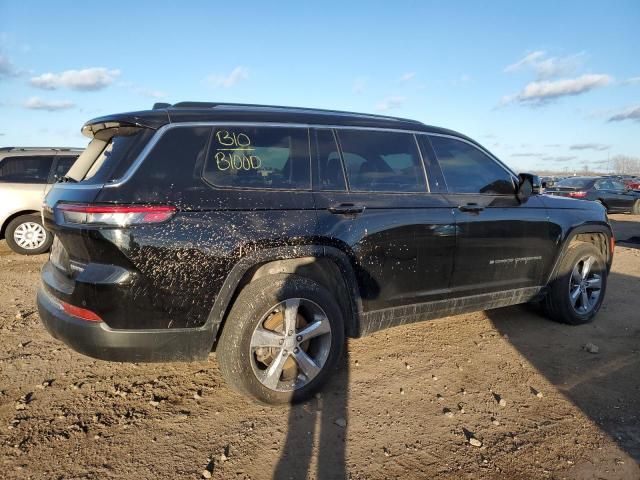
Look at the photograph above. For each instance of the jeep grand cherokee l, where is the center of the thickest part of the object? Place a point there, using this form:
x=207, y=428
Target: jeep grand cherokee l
x=268, y=234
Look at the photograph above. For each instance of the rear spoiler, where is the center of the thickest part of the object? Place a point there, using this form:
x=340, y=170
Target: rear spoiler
x=152, y=119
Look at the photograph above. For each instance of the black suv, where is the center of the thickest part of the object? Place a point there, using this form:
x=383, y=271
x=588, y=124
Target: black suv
x=268, y=234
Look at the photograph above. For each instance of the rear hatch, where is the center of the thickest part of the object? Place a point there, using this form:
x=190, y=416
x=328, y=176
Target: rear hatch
x=114, y=147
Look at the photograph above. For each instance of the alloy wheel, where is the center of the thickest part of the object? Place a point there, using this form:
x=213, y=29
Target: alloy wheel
x=290, y=345
x=585, y=285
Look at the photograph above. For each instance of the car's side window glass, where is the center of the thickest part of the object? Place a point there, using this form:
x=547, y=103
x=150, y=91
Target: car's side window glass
x=330, y=173
x=27, y=169
x=467, y=169
x=63, y=165
x=379, y=161
x=598, y=185
x=259, y=157
x=618, y=186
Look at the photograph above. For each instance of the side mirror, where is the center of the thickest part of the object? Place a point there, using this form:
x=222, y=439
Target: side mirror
x=528, y=185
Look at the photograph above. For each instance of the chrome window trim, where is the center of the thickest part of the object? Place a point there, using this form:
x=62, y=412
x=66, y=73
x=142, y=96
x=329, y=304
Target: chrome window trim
x=162, y=130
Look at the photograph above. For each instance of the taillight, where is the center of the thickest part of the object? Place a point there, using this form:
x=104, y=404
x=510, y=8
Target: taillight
x=577, y=194
x=113, y=215
x=81, y=313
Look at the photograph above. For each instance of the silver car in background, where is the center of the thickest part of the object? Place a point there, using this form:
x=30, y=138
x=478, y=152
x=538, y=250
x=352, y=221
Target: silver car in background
x=26, y=174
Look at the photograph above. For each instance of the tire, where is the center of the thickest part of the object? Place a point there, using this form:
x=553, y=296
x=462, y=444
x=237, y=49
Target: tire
x=559, y=304
x=635, y=210
x=260, y=312
x=27, y=236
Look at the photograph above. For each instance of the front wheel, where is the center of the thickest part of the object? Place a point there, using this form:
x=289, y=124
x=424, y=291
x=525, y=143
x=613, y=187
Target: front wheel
x=635, y=210
x=576, y=294
x=27, y=236
x=281, y=340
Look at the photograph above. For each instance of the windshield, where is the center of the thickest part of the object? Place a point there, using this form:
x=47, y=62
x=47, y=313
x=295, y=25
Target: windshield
x=575, y=182
x=109, y=154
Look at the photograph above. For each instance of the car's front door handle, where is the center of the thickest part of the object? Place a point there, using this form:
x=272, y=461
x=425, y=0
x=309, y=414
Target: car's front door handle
x=471, y=207
x=347, y=209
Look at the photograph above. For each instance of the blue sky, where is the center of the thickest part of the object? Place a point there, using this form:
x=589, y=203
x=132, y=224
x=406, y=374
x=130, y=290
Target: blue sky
x=543, y=85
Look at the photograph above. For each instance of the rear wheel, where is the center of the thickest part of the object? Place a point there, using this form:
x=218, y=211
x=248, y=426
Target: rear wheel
x=27, y=236
x=576, y=294
x=281, y=340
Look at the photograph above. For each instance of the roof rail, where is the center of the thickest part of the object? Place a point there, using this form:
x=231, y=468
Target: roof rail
x=223, y=105
x=31, y=149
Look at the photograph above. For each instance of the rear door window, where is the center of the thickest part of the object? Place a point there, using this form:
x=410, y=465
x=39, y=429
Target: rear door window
x=467, y=169
x=379, y=161
x=259, y=157
x=26, y=169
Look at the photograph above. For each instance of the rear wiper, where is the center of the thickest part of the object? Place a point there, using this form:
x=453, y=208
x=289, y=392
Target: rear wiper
x=67, y=179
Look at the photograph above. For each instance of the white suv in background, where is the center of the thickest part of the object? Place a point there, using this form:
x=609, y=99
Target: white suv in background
x=26, y=174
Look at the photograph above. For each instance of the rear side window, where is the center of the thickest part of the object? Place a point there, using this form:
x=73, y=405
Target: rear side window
x=378, y=161
x=467, y=169
x=330, y=173
x=63, y=164
x=259, y=157
x=27, y=169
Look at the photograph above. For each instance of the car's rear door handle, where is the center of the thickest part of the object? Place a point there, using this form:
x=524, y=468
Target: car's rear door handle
x=471, y=207
x=347, y=209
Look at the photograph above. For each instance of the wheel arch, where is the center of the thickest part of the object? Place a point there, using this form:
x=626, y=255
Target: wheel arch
x=323, y=264
x=599, y=235
x=12, y=217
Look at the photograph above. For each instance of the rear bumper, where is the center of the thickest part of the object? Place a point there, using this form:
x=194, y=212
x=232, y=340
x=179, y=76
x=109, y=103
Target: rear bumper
x=97, y=340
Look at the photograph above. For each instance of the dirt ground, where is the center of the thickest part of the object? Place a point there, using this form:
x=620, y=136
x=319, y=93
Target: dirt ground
x=405, y=404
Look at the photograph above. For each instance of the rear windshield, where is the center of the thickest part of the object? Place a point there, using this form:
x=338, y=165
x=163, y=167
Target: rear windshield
x=109, y=154
x=575, y=182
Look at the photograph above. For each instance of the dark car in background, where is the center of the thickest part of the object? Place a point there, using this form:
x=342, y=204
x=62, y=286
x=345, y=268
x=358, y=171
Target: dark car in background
x=268, y=234
x=608, y=191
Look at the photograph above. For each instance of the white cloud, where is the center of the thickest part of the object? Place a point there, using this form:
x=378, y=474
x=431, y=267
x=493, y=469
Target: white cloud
x=390, y=102
x=540, y=92
x=589, y=146
x=7, y=69
x=236, y=75
x=559, y=158
x=87, y=79
x=547, y=67
x=36, y=103
x=405, y=77
x=359, y=85
x=631, y=113
x=631, y=81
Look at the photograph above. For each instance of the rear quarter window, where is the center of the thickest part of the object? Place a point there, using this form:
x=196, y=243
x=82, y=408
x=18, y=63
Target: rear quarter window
x=259, y=157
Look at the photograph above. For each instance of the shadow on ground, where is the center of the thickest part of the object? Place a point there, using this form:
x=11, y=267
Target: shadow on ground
x=315, y=446
x=606, y=385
